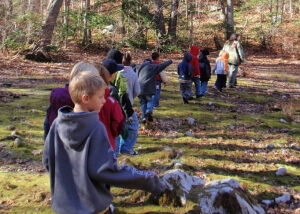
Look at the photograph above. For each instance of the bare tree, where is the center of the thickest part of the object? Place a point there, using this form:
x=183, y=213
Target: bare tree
x=229, y=18
x=159, y=17
x=87, y=37
x=277, y=7
x=291, y=8
x=173, y=19
x=191, y=25
x=66, y=20
x=49, y=24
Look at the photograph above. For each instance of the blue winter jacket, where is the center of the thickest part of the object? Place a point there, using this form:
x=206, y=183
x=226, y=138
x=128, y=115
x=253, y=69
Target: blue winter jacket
x=184, y=69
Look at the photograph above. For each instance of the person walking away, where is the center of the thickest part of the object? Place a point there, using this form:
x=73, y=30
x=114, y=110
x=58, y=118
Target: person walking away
x=60, y=97
x=205, y=70
x=194, y=51
x=78, y=156
x=146, y=73
x=221, y=69
x=161, y=78
x=111, y=114
x=185, y=71
x=236, y=57
x=132, y=124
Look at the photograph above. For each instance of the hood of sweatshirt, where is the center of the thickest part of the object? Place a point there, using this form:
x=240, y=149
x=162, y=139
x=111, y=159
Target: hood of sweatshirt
x=194, y=50
x=79, y=124
x=187, y=57
x=202, y=57
x=225, y=55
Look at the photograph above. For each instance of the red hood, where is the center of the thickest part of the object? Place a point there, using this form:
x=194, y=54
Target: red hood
x=194, y=50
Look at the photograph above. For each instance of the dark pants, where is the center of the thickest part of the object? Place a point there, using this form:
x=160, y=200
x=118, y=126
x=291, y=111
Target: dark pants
x=186, y=91
x=221, y=81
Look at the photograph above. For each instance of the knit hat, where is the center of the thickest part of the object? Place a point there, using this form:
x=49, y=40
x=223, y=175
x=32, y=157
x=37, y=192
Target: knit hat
x=205, y=52
x=115, y=55
x=112, y=66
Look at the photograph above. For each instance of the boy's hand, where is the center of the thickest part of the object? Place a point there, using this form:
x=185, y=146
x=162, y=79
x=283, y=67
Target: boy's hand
x=165, y=84
x=168, y=197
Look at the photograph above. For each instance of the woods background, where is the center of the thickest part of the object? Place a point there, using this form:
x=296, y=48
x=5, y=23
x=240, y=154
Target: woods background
x=164, y=25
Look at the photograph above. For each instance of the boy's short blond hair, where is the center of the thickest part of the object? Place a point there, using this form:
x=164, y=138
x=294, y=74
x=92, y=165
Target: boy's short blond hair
x=82, y=66
x=103, y=72
x=85, y=83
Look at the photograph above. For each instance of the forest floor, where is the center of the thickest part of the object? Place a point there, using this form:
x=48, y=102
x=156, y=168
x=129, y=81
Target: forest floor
x=246, y=133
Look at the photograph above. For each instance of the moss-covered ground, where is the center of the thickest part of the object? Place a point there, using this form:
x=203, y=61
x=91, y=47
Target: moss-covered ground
x=232, y=132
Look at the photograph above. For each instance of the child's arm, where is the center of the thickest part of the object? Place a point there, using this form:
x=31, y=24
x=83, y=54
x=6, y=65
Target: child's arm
x=159, y=68
x=103, y=167
x=118, y=120
x=136, y=88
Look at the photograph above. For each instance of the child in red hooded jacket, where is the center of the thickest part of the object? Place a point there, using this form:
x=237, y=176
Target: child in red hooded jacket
x=194, y=51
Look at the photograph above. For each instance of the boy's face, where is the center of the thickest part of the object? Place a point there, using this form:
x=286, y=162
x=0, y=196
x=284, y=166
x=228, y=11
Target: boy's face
x=95, y=102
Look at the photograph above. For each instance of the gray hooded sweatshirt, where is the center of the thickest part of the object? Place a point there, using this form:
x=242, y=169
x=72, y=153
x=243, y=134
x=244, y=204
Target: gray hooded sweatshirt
x=80, y=161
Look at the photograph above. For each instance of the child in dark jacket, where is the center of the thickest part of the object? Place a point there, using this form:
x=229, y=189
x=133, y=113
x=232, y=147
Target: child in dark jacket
x=221, y=69
x=78, y=156
x=205, y=71
x=146, y=73
x=160, y=78
x=60, y=97
x=185, y=72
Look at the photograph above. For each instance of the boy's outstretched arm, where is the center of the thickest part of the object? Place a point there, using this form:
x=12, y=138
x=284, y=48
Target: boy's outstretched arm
x=103, y=168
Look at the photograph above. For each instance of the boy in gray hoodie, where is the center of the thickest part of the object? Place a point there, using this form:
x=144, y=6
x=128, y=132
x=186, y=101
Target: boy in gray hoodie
x=79, y=158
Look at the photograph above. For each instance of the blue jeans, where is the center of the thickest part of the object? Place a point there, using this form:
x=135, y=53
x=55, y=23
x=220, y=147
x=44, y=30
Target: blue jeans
x=146, y=104
x=233, y=69
x=155, y=98
x=203, y=87
x=126, y=145
x=117, y=141
x=197, y=83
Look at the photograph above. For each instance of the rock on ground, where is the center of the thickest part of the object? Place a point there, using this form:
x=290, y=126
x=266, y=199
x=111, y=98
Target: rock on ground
x=227, y=196
x=179, y=179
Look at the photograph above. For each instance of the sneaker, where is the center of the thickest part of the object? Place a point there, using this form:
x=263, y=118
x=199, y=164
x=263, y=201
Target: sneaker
x=191, y=98
x=231, y=86
x=149, y=117
x=132, y=153
x=200, y=95
x=185, y=101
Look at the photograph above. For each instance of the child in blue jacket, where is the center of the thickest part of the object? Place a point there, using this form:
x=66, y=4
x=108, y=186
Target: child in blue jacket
x=185, y=72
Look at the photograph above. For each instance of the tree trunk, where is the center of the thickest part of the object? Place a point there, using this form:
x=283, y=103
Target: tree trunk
x=191, y=25
x=123, y=18
x=39, y=51
x=277, y=7
x=34, y=8
x=282, y=10
x=8, y=5
x=271, y=6
x=159, y=17
x=66, y=20
x=87, y=37
x=230, y=22
x=173, y=19
x=291, y=9
x=51, y=17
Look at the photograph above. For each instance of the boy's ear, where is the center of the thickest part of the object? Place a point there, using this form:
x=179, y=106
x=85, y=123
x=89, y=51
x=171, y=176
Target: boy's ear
x=85, y=98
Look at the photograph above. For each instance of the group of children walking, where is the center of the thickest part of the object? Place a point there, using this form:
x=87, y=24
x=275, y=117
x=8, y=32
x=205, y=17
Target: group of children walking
x=91, y=120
